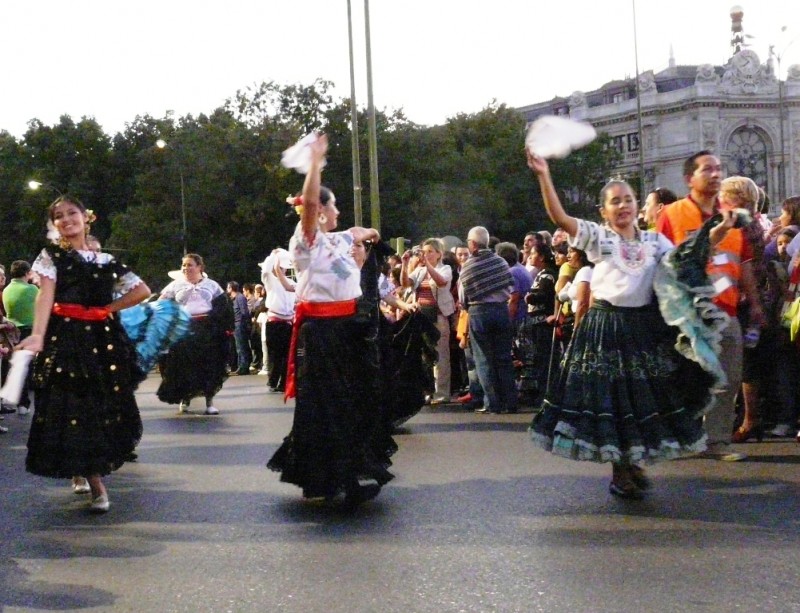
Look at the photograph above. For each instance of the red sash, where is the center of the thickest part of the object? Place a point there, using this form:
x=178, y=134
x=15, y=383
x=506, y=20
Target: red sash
x=80, y=312
x=344, y=308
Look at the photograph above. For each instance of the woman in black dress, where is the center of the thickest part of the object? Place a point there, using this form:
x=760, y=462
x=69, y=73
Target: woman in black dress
x=86, y=421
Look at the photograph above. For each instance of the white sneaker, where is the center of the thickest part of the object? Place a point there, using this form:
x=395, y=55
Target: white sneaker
x=263, y=372
x=100, y=504
x=733, y=457
x=23, y=410
x=3, y=429
x=80, y=485
x=212, y=411
x=183, y=407
x=780, y=431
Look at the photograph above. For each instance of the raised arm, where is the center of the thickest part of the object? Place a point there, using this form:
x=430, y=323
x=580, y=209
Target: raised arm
x=552, y=204
x=310, y=215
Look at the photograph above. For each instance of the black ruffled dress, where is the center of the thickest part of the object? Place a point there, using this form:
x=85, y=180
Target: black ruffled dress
x=86, y=420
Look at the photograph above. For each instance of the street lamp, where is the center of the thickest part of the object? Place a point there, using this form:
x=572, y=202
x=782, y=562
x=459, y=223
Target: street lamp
x=36, y=185
x=162, y=144
x=782, y=173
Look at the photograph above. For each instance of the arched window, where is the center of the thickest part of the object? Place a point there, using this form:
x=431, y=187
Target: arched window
x=747, y=151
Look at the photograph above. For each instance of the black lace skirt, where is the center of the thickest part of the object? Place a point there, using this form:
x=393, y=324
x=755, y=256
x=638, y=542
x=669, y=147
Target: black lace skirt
x=624, y=393
x=338, y=436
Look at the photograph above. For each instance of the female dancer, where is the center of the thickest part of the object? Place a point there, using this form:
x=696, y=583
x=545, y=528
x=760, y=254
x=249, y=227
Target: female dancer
x=618, y=398
x=330, y=448
x=86, y=421
x=197, y=365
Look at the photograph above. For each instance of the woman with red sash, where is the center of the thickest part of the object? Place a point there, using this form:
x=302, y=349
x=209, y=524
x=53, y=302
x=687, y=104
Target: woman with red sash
x=196, y=365
x=86, y=421
x=329, y=450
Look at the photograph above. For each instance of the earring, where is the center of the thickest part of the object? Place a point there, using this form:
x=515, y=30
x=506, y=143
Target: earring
x=323, y=219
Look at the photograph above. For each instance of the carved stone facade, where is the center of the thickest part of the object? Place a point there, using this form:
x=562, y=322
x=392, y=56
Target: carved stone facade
x=733, y=110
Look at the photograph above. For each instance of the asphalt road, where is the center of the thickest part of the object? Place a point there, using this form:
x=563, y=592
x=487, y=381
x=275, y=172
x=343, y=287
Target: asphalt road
x=476, y=520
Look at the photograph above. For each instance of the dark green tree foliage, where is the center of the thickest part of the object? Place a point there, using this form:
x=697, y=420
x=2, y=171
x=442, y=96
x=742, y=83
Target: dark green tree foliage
x=434, y=181
x=582, y=175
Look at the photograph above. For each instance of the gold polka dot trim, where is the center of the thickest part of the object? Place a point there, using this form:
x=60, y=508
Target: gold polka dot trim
x=53, y=338
x=94, y=350
x=74, y=422
x=88, y=328
x=113, y=367
x=58, y=369
x=109, y=347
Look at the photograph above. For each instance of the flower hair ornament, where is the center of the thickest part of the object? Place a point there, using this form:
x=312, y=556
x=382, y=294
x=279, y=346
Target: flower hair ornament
x=296, y=202
x=90, y=219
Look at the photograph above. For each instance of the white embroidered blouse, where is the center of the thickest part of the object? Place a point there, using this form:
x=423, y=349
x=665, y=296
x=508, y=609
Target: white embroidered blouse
x=196, y=297
x=624, y=269
x=326, y=270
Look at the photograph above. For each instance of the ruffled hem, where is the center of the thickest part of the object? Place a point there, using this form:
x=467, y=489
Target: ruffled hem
x=698, y=319
x=153, y=327
x=577, y=449
x=685, y=300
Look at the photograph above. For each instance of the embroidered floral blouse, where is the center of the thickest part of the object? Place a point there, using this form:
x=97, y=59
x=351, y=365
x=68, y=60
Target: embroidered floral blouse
x=196, y=297
x=624, y=269
x=326, y=269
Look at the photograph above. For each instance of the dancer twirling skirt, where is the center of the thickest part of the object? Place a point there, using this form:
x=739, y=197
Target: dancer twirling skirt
x=624, y=395
x=330, y=449
x=197, y=365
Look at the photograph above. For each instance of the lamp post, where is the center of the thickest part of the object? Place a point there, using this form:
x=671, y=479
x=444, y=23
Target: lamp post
x=638, y=107
x=374, y=192
x=354, y=126
x=162, y=144
x=36, y=185
x=782, y=165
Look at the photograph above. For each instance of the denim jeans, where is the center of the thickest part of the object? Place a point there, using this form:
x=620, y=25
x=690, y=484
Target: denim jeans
x=475, y=389
x=241, y=335
x=491, y=337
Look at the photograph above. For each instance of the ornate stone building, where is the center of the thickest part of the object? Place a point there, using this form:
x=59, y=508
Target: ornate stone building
x=734, y=110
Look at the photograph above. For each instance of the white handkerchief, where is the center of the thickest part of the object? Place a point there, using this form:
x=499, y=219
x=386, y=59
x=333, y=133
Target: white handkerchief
x=15, y=380
x=282, y=256
x=298, y=156
x=556, y=137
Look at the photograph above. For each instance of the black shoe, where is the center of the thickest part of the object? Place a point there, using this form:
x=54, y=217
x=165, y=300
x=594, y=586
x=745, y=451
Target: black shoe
x=4, y=410
x=362, y=493
x=640, y=479
x=627, y=491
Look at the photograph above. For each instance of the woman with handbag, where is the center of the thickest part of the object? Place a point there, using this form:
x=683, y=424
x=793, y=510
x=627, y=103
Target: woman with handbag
x=431, y=283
